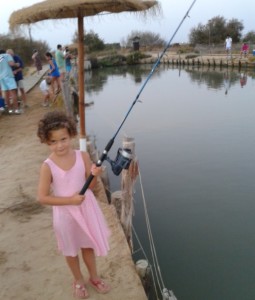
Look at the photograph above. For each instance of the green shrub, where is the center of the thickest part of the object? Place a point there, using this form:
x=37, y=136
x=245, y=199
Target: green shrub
x=134, y=57
x=190, y=56
x=110, y=61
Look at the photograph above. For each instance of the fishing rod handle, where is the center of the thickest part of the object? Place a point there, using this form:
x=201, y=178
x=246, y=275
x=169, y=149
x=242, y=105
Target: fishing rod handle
x=98, y=164
x=90, y=178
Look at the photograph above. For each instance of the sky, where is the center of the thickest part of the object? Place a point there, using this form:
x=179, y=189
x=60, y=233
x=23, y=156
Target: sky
x=115, y=28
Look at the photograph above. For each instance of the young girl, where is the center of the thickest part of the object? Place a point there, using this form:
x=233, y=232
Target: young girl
x=77, y=219
x=54, y=72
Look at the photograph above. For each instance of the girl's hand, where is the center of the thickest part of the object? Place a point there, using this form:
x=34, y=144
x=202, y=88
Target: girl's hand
x=77, y=199
x=96, y=171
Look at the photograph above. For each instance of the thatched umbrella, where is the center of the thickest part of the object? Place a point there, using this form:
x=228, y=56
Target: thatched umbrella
x=61, y=9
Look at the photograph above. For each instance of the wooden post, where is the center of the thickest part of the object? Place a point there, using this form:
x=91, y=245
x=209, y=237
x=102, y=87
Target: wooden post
x=81, y=82
x=123, y=200
x=93, y=152
x=66, y=92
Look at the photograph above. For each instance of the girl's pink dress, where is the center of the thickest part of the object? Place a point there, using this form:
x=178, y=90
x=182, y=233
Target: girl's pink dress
x=77, y=226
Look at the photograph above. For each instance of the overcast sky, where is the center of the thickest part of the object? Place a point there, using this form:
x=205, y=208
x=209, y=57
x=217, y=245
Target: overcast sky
x=115, y=28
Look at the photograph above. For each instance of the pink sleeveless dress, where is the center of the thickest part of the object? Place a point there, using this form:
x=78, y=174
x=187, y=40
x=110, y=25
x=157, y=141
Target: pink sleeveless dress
x=77, y=226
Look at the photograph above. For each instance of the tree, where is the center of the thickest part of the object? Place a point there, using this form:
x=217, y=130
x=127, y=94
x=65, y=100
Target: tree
x=91, y=41
x=234, y=29
x=23, y=46
x=199, y=35
x=146, y=39
x=217, y=27
x=215, y=31
x=249, y=37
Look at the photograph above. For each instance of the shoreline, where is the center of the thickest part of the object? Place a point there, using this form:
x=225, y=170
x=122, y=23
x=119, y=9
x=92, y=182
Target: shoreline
x=200, y=60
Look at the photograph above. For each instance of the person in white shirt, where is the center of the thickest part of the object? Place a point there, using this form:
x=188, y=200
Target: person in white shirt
x=228, y=44
x=45, y=88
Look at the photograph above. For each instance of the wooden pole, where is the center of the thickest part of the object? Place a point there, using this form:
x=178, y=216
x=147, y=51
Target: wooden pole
x=123, y=200
x=66, y=92
x=81, y=82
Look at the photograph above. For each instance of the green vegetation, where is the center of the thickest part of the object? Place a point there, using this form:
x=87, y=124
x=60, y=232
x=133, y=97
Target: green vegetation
x=146, y=39
x=249, y=37
x=216, y=30
x=112, y=60
x=23, y=47
x=134, y=57
x=191, y=56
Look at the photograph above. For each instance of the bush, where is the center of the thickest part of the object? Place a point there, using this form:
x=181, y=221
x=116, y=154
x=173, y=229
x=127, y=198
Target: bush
x=110, y=61
x=23, y=47
x=135, y=57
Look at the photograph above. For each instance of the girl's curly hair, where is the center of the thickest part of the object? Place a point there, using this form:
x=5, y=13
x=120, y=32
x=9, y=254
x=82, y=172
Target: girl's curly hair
x=55, y=120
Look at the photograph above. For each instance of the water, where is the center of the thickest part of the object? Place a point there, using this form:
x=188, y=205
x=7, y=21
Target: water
x=195, y=141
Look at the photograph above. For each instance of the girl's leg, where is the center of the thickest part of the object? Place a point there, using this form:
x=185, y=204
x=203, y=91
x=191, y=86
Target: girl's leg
x=58, y=84
x=89, y=259
x=74, y=265
x=96, y=282
x=79, y=288
x=53, y=79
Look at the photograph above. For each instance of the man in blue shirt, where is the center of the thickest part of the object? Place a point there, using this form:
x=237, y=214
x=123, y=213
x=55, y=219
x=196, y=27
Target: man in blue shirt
x=7, y=81
x=17, y=71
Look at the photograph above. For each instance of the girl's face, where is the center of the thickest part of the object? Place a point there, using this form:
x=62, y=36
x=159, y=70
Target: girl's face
x=60, y=141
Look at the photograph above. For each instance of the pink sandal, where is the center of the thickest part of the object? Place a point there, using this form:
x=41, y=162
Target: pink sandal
x=80, y=291
x=100, y=286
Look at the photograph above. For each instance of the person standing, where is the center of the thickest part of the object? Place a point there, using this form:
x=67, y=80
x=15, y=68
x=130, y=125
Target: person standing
x=7, y=81
x=228, y=45
x=54, y=72
x=244, y=50
x=37, y=61
x=60, y=59
x=78, y=221
x=68, y=63
x=17, y=71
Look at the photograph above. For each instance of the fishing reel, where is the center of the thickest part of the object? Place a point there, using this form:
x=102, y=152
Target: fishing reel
x=122, y=160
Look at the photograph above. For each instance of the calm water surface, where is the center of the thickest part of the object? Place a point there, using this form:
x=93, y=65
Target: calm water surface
x=195, y=141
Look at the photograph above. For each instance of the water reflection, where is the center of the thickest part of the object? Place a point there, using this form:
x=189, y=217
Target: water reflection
x=96, y=79
x=227, y=81
x=196, y=154
x=212, y=78
x=243, y=79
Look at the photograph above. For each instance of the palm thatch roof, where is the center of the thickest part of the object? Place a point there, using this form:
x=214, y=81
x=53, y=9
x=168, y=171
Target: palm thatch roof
x=61, y=9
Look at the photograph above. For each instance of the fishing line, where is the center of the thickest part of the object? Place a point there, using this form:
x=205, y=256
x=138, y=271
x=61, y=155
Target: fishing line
x=111, y=141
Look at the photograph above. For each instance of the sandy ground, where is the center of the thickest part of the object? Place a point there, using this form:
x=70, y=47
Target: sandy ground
x=30, y=266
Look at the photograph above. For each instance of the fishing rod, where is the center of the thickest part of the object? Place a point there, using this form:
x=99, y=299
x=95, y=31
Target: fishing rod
x=123, y=158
